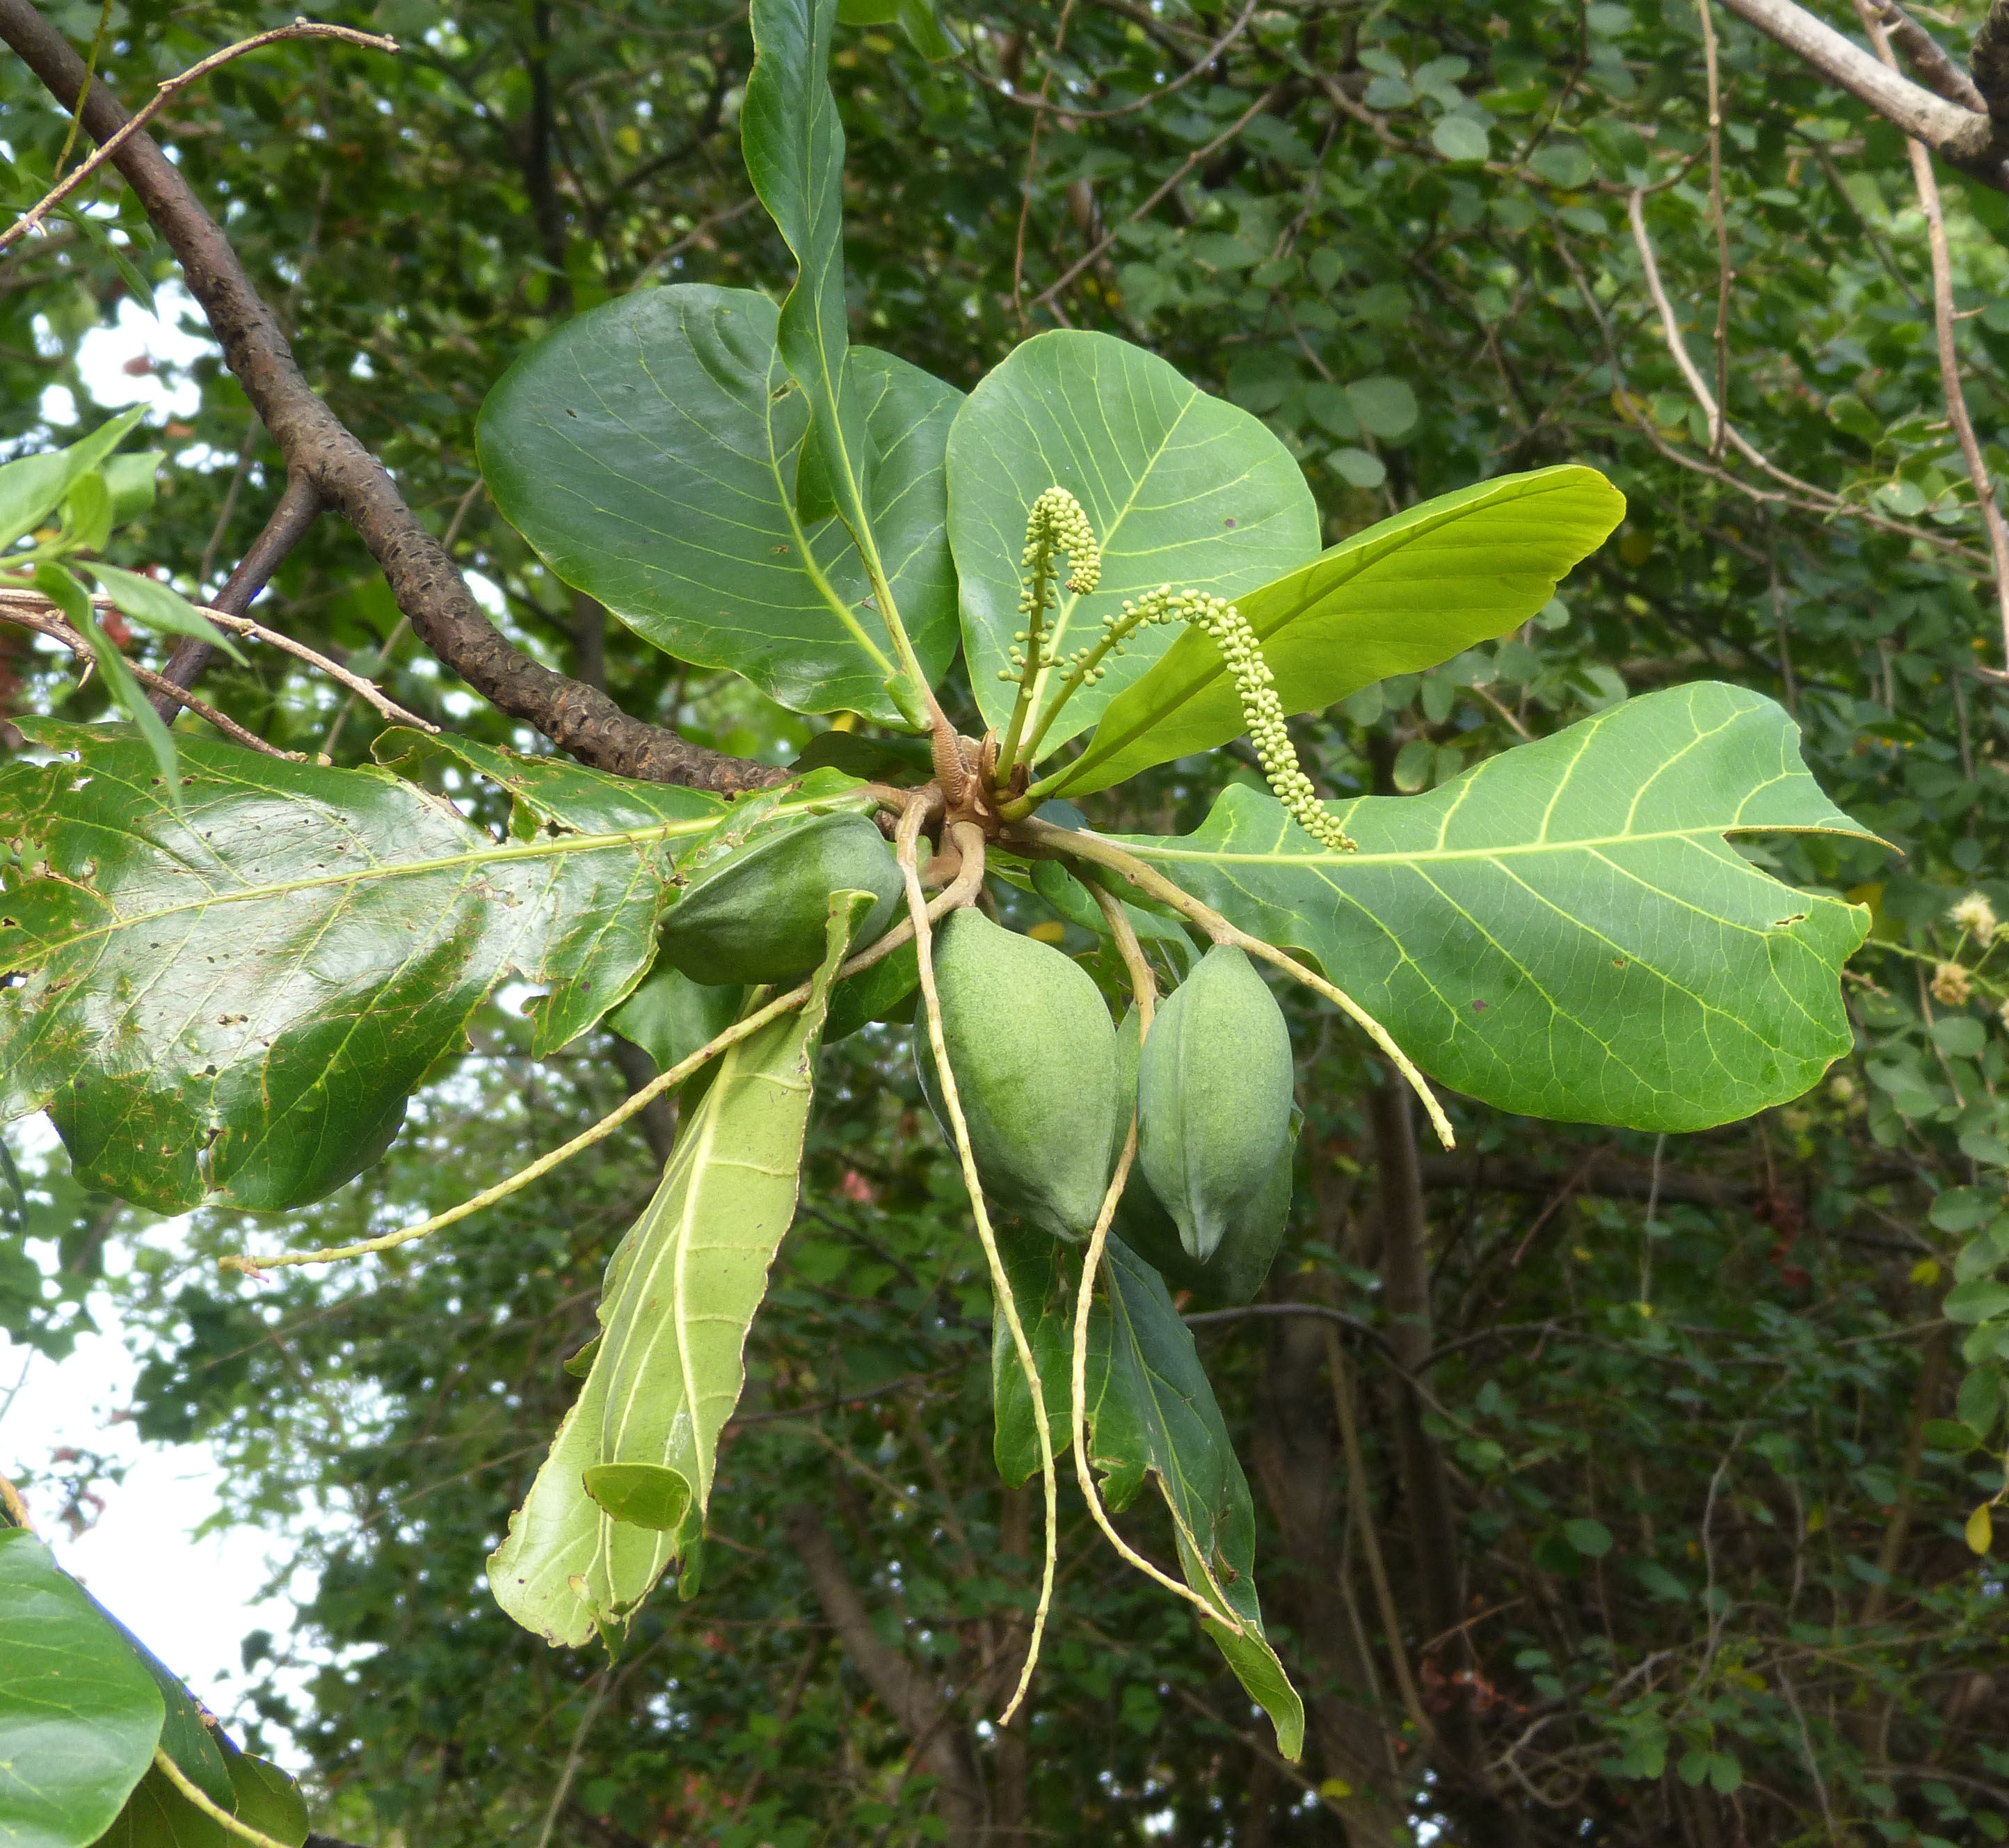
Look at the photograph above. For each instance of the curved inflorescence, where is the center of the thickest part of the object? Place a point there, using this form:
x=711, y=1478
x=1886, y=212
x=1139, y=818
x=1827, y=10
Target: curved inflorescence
x=1242, y=656
x=1056, y=524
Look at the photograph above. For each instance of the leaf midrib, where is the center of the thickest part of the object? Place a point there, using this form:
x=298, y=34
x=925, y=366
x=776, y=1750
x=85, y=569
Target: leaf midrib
x=529, y=851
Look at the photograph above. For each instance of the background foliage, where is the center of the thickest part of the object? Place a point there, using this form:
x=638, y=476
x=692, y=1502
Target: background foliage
x=1666, y=1449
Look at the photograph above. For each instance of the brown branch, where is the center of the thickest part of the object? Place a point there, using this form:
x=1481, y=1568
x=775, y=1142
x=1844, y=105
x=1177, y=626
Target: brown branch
x=915, y=1704
x=1966, y=137
x=1989, y=60
x=320, y=449
x=1928, y=187
x=1928, y=58
x=299, y=508
x=168, y=90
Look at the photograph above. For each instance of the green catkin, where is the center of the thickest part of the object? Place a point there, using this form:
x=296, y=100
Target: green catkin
x=1261, y=710
x=1056, y=524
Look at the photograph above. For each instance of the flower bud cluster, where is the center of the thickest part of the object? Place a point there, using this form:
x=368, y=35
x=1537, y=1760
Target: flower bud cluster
x=1056, y=524
x=1241, y=654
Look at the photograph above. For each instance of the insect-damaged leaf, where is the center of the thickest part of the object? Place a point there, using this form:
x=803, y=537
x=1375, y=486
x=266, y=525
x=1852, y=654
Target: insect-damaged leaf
x=624, y=1489
x=1564, y=930
x=1401, y=596
x=649, y=450
x=1151, y=1413
x=230, y=1003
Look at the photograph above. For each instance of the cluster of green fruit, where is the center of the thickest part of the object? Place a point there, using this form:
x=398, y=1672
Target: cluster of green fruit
x=1047, y=1084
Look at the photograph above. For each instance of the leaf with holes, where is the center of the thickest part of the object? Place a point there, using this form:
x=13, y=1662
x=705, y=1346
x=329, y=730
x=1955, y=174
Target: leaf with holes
x=1566, y=930
x=230, y=1003
x=1179, y=487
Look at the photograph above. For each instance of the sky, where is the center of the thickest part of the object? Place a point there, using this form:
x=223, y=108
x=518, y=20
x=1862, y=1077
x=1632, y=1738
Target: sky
x=190, y=1601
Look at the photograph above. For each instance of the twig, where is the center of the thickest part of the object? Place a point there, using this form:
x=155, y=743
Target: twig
x=1184, y=77
x=1025, y=185
x=215, y=1812
x=571, y=1768
x=969, y=839
x=44, y=621
x=244, y=625
x=1044, y=298
x=1936, y=70
x=169, y=88
x=327, y=456
x=1143, y=986
x=299, y=506
x=947, y=899
x=1928, y=186
x=1722, y=228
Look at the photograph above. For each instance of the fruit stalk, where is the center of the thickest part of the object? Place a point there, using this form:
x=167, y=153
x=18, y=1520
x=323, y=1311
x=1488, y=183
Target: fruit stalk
x=969, y=840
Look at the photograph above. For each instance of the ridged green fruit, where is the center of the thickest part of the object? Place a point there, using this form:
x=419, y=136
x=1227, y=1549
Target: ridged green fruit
x=1235, y=1271
x=1034, y=1056
x=759, y=915
x=1213, y=1097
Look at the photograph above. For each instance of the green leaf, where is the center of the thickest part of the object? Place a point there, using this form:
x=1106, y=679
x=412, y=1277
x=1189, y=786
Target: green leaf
x=1564, y=930
x=922, y=22
x=155, y=605
x=133, y=480
x=268, y=1799
x=1151, y=1413
x=71, y=597
x=681, y=1291
x=86, y=514
x=793, y=145
x=231, y=1004
x=1398, y=598
x=156, y=1815
x=1179, y=487
x=1461, y=138
x=1592, y=1538
x=649, y=451
x=1979, y=1301
x=80, y=1713
x=1385, y=407
x=34, y=486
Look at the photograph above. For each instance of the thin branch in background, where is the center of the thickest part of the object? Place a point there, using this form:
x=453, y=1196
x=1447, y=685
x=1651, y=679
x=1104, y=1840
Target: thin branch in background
x=1722, y=228
x=1928, y=186
x=169, y=89
x=229, y=507
x=571, y=1768
x=1929, y=59
x=90, y=76
x=1025, y=185
x=1791, y=688
x=1071, y=115
x=398, y=628
x=1044, y=299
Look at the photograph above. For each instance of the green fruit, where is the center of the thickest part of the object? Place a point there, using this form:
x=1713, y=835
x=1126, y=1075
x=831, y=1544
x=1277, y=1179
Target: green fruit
x=1235, y=1271
x=760, y=915
x=1214, y=1098
x=1034, y=1056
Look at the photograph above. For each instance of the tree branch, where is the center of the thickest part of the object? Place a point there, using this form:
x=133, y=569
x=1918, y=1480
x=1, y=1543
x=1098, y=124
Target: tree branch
x=918, y=1707
x=1966, y=137
x=319, y=447
x=1936, y=70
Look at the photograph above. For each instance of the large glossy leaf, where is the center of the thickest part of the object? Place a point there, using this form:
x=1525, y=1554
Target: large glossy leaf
x=1180, y=487
x=80, y=1713
x=649, y=450
x=230, y=1003
x=793, y=143
x=1565, y=931
x=1151, y=1414
x=1400, y=596
x=680, y=1296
